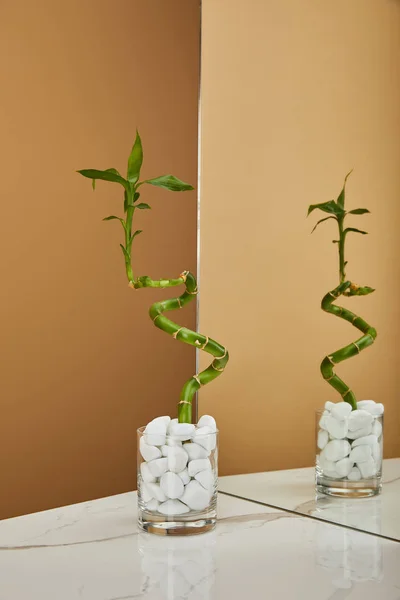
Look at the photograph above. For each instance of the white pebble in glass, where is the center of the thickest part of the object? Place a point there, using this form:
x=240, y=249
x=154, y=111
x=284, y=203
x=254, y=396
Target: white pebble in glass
x=349, y=449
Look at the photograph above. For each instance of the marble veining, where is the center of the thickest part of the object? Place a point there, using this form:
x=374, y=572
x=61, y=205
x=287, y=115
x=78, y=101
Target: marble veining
x=293, y=490
x=94, y=551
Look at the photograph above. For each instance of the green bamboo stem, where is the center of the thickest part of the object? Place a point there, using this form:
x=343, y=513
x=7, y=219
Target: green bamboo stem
x=183, y=334
x=351, y=349
x=131, y=184
x=336, y=210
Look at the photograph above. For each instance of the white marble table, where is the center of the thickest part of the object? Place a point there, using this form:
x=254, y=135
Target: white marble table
x=93, y=551
x=294, y=490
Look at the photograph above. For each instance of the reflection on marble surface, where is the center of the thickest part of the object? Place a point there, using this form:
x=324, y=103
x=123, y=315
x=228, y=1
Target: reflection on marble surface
x=94, y=551
x=293, y=489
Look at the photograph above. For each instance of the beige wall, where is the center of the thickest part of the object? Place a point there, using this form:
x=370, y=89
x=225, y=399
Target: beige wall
x=81, y=365
x=294, y=94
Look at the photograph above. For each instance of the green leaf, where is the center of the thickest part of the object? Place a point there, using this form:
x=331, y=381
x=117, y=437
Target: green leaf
x=169, y=182
x=136, y=196
x=361, y=291
x=108, y=175
x=93, y=184
x=321, y=221
x=135, y=160
x=346, y=231
x=111, y=217
x=328, y=207
x=340, y=200
x=143, y=206
x=358, y=211
x=135, y=234
x=125, y=253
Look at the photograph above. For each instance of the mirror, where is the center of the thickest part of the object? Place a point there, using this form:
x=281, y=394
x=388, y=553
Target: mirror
x=308, y=94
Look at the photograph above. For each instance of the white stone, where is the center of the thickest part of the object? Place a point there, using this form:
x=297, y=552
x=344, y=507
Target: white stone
x=148, y=452
x=184, y=475
x=354, y=435
x=322, y=439
x=181, y=431
x=329, y=405
x=177, y=459
x=165, y=450
x=327, y=466
x=171, y=485
x=337, y=449
x=354, y=474
x=369, y=440
x=336, y=429
x=173, y=507
x=322, y=421
x=360, y=454
x=375, y=408
x=377, y=428
x=195, y=451
x=155, y=433
x=152, y=504
x=341, y=410
x=344, y=466
x=377, y=454
x=166, y=420
x=171, y=442
x=206, y=438
x=359, y=419
x=367, y=468
x=208, y=421
x=156, y=492
x=195, y=496
x=158, y=466
x=206, y=479
x=171, y=424
x=146, y=473
x=145, y=493
x=200, y=464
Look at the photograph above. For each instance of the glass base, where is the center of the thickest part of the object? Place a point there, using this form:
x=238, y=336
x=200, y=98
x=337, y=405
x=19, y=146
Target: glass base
x=179, y=525
x=348, y=489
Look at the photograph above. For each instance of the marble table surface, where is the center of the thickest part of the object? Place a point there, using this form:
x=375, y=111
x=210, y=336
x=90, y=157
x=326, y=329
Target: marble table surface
x=94, y=551
x=294, y=490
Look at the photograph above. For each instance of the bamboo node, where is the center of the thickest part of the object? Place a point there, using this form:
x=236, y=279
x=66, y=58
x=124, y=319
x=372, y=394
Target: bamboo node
x=345, y=393
x=198, y=343
x=330, y=358
x=331, y=377
x=131, y=285
x=205, y=343
x=354, y=319
x=156, y=317
x=185, y=402
x=179, y=302
x=195, y=291
x=216, y=368
x=223, y=356
x=184, y=275
x=354, y=344
x=196, y=378
x=176, y=332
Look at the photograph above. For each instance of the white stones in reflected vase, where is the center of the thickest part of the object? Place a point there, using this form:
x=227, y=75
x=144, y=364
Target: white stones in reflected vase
x=350, y=442
x=177, y=475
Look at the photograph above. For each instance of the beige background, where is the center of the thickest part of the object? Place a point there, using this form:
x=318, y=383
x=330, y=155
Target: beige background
x=81, y=365
x=295, y=94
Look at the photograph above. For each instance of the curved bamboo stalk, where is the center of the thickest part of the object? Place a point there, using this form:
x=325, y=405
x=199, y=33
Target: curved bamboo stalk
x=336, y=211
x=183, y=334
x=349, y=289
x=131, y=185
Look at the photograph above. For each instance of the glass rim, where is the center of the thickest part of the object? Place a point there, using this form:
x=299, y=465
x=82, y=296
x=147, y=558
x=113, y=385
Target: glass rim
x=140, y=431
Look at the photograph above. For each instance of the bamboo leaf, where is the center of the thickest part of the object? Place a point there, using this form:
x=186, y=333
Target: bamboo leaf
x=358, y=211
x=135, y=234
x=136, y=196
x=111, y=217
x=341, y=197
x=169, y=182
x=346, y=231
x=143, y=206
x=328, y=207
x=125, y=253
x=135, y=160
x=321, y=221
x=108, y=175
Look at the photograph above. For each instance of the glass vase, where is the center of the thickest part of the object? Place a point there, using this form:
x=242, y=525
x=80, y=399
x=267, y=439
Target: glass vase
x=348, y=456
x=177, y=483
